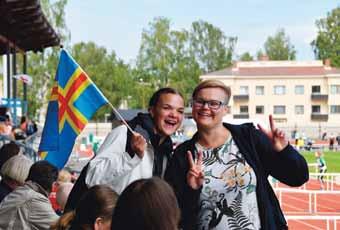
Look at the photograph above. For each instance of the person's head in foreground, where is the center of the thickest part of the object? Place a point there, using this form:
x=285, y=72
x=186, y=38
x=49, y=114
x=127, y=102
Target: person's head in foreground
x=94, y=210
x=146, y=204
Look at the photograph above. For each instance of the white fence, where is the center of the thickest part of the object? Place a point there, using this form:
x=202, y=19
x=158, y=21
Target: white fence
x=328, y=219
x=312, y=196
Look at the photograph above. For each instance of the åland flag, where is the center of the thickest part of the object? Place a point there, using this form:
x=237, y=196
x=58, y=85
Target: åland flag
x=74, y=99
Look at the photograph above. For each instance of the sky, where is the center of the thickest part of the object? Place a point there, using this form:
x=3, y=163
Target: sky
x=117, y=25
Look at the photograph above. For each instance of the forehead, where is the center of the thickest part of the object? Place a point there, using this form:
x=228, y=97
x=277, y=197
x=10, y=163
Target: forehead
x=170, y=99
x=213, y=93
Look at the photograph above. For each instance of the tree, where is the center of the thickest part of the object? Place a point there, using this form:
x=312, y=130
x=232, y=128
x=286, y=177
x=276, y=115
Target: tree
x=246, y=57
x=42, y=66
x=184, y=68
x=327, y=43
x=155, y=54
x=212, y=49
x=279, y=47
x=109, y=73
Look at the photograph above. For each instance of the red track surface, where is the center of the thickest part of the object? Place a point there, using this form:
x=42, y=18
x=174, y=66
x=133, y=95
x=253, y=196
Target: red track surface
x=297, y=204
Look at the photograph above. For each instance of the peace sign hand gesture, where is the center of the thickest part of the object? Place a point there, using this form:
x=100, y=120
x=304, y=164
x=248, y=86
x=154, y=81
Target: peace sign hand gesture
x=195, y=176
x=276, y=136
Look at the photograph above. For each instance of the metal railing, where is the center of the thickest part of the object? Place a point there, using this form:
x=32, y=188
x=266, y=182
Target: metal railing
x=29, y=145
x=312, y=196
x=328, y=220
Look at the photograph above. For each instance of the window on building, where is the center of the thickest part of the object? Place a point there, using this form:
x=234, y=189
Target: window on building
x=316, y=109
x=244, y=90
x=316, y=89
x=259, y=90
x=244, y=109
x=299, y=109
x=259, y=109
x=335, y=108
x=335, y=89
x=279, y=109
x=299, y=89
x=279, y=89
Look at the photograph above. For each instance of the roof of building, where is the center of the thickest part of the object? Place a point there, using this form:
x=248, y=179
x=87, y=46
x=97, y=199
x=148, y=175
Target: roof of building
x=276, y=68
x=24, y=26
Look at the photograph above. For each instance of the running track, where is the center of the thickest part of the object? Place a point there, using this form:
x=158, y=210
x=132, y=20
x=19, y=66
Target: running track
x=297, y=204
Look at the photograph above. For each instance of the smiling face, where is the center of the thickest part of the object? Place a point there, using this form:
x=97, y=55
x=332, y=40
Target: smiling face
x=204, y=116
x=168, y=113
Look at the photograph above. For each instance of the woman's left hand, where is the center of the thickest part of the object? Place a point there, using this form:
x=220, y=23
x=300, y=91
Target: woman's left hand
x=276, y=136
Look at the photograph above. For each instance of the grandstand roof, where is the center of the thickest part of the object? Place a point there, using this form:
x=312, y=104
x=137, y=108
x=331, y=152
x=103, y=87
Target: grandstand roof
x=24, y=26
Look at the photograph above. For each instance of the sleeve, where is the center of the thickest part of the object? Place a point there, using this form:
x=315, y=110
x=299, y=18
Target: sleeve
x=41, y=214
x=288, y=165
x=112, y=161
x=187, y=197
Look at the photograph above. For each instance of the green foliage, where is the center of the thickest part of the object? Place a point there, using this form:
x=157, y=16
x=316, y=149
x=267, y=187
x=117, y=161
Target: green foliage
x=332, y=160
x=246, y=57
x=279, y=47
x=327, y=43
x=177, y=58
x=210, y=46
x=110, y=74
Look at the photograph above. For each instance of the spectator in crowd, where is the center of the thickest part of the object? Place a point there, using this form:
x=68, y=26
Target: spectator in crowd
x=322, y=167
x=62, y=194
x=7, y=151
x=93, y=212
x=331, y=141
x=125, y=157
x=28, y=207
x=338, y=141
x=6, y=126
x=14, y=173
x=220, y=175
x=63, y=177
x=146, y=204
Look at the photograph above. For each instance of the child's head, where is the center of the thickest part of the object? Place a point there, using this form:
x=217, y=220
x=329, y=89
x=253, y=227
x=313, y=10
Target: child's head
x=318, y=154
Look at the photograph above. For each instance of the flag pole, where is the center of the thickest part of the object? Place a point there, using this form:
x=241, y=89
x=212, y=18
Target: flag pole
x=120, y=116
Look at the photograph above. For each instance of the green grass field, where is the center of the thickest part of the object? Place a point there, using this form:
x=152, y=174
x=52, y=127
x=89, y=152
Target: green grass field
x=332, y=160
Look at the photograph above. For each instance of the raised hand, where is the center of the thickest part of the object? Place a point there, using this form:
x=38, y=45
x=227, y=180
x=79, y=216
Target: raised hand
x=195, y=176
x=138, y=144
x=276, y=136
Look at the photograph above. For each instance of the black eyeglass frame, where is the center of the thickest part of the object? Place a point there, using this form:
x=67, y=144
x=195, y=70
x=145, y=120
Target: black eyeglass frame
x=212, y=104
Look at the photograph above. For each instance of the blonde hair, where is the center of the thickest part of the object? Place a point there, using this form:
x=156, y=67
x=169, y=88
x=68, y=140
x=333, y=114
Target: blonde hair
x=64, y=176
x=213, y=84
x=17, y=168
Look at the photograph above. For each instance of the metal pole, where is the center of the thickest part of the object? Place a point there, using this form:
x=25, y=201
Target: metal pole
x=24, y=70
x=14, y=71
x=8, y=73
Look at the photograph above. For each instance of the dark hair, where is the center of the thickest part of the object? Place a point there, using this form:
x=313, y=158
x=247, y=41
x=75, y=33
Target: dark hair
x=98, y=201
x=44, y=174
x=7, y=151
x=155, y=97
x=146, y=204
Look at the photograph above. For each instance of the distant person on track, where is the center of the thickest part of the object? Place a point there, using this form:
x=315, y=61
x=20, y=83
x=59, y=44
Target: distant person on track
x=322, y=167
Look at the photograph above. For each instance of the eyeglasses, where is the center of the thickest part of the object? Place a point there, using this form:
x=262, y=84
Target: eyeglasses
x=212, y=104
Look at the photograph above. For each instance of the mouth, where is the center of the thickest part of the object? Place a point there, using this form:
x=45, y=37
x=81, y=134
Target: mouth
x=171, y=123
x=203, y=114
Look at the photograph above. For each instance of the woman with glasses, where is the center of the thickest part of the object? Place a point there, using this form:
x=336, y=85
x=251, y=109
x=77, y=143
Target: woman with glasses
x=220, y=175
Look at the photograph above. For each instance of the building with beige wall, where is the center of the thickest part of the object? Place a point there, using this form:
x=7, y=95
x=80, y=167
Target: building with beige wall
x=301, y=95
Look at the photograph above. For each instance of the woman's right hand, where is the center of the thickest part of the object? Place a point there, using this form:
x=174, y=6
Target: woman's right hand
x=195, y=176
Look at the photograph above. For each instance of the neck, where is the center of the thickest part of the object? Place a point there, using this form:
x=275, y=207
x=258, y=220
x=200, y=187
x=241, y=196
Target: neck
x=212, y=138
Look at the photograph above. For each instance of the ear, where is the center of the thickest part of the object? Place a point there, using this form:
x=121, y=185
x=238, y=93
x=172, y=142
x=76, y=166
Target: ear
x=225, y=110
x=152, y=111
x=98, y=223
